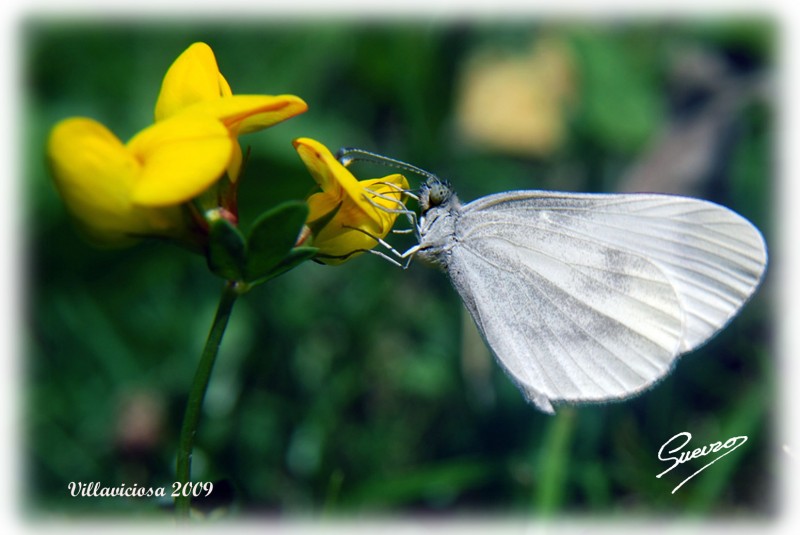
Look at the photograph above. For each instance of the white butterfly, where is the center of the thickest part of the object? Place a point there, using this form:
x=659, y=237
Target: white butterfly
x=590, y=297
x=586, y=297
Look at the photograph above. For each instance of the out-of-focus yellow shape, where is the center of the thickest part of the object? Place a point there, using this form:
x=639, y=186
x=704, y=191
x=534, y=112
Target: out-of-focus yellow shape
x=516, y=103
x=355, y=221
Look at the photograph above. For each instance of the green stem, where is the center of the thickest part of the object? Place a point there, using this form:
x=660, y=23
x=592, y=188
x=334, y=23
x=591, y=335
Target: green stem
x=197, y=394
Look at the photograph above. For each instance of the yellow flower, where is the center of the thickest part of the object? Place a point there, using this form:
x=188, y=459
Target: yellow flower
x=193, y=84
x=355, y=221
x=122, y=192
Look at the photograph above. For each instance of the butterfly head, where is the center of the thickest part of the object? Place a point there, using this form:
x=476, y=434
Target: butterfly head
x=435, y=192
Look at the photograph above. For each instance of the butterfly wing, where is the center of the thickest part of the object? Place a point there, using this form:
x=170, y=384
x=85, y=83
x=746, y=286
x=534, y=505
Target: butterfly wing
x=588, y=297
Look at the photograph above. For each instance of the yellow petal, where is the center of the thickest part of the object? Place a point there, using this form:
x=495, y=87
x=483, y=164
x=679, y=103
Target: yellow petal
x=243, y=114
x=266, y=111
x=95, y=175
x=224, y=88
x=363, y=214
x=358, y=221
x=343, y=246
x=193, y=77
x=181, y=157
x=320, y=205
x=336, y=180
x=345, y=236
x=384, y=189
x=235, y=165
x=324, y=168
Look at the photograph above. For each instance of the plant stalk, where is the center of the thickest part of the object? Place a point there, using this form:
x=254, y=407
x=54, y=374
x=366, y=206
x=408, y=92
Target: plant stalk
x=196, y=396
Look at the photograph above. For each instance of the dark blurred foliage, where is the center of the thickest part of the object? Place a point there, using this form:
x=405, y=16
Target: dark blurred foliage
x=364, y=388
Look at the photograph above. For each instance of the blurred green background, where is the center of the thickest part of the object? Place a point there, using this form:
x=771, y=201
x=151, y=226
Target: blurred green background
x=363, y=388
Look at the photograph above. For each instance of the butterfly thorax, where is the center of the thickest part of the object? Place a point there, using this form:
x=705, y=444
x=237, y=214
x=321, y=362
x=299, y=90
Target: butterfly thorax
x=440, y=210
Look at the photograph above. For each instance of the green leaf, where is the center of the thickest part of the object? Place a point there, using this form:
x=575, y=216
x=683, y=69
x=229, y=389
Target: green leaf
x=272, y=238
x=296, y=256
x=226, y=250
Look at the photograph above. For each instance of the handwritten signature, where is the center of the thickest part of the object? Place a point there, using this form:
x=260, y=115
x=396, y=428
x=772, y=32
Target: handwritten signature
x=729, y=445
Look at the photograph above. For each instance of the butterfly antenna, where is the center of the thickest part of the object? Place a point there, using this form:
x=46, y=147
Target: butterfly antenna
x=347, y=155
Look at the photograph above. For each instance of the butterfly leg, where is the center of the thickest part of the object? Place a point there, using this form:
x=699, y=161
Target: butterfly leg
x=407, y=255
x=371, y=251
x=381, y=241
x=410, y=214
